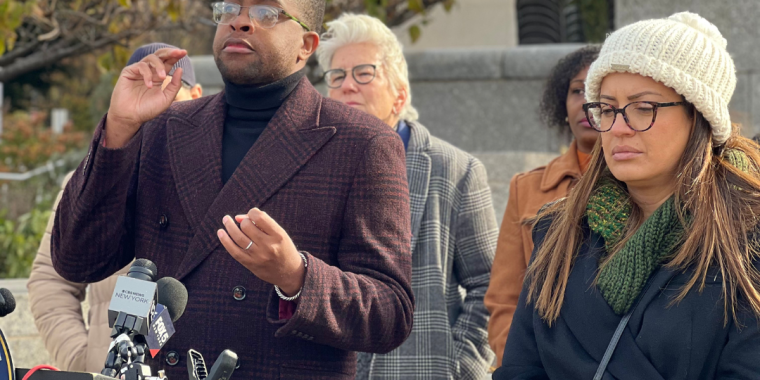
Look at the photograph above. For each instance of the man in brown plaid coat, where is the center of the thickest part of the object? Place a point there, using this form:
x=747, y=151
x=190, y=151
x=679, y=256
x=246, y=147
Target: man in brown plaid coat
x=286, y=215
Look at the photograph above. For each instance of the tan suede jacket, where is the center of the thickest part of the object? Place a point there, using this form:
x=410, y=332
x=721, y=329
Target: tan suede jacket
x=56, y=305
x=527, y=193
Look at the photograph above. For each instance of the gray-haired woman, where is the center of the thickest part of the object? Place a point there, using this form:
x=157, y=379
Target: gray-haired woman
x=453, y=224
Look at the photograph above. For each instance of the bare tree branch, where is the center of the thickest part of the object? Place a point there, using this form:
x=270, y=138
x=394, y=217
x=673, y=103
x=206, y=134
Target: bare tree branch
x=56, y=30
x=42, y=58
x=18, y=52
x=51, y=34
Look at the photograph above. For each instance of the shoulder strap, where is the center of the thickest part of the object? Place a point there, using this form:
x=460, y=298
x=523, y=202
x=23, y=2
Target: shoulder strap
x=619, y=331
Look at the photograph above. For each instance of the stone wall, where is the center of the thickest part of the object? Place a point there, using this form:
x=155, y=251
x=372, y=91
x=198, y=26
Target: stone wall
x=479, y=99
x=486, y=100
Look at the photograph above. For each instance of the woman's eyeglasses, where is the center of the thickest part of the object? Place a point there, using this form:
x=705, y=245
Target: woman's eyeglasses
x=264, y=16
x=639, y=116
x=363, y=74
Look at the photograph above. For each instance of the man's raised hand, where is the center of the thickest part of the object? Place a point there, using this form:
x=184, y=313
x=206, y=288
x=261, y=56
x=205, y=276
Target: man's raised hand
x=139, y=97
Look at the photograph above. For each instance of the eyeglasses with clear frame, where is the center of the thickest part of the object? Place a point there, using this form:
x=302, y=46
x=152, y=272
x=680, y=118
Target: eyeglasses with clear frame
x=363, y=74
x=264, y=16
x=640, y=118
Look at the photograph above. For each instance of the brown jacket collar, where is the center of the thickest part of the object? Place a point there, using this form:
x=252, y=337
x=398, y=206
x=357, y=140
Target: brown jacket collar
x=563, y=166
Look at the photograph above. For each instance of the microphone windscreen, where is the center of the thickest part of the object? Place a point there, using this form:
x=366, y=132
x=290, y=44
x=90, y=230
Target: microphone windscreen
x=173, y=295
x=9, y=303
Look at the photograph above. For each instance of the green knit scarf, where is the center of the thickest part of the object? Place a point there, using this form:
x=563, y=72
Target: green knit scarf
x=621, y=280
x=608, y=209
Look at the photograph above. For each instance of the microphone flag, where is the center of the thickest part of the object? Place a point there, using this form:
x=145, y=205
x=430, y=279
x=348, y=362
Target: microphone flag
x=6, y=362
x=161, y=329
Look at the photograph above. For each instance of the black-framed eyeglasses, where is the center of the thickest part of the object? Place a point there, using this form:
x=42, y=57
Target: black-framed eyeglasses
x=264, y=16
x=363, y=74
x=640, y=118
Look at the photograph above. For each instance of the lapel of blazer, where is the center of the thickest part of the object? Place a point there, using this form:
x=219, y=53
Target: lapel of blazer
x=292, y=137
x=195, y=150
x=418, y=167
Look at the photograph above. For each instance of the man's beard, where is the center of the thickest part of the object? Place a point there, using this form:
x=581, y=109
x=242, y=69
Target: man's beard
x=254, y=73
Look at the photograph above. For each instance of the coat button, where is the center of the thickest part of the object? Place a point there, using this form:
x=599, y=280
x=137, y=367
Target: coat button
x=238, y=293
x=172, y=358
x=163, y=221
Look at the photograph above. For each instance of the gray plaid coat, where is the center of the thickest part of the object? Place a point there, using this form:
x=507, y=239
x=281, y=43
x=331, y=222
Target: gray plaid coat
x=454, y=236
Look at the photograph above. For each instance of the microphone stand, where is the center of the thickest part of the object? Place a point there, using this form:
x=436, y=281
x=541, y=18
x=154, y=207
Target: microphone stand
x=129, y=349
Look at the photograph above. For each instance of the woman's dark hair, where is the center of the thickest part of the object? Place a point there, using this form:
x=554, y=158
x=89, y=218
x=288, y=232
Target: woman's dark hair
x=553, y=110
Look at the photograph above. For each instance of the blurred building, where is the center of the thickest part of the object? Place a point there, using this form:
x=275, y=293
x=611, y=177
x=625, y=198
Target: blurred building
x=481, y=23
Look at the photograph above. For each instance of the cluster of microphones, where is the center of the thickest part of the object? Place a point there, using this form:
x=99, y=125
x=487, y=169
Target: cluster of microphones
x=141, y=314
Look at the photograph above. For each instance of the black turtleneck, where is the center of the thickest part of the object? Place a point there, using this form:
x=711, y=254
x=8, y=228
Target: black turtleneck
x=249, y=110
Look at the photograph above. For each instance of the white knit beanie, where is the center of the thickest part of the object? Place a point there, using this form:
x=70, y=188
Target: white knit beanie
x=684, y=52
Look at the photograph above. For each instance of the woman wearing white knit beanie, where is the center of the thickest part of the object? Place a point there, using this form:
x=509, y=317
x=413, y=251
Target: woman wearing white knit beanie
x=649, y=268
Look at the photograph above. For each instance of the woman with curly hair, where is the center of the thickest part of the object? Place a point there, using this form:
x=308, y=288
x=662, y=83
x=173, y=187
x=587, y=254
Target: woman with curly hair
x=561, y=107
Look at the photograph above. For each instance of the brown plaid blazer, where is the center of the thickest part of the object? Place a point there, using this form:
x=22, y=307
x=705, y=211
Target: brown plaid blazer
x=335, y=180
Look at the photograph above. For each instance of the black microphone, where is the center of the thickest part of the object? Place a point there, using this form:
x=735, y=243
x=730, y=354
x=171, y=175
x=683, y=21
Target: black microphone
x=133, y=299
x=130, y=313
x=222, y=369
x=223, y=366
x=196, y=366
x=143, y=269
x=7, y=305
x=7, y=302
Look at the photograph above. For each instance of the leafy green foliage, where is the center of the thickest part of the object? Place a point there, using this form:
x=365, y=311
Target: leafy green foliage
x=20, y=239
x=12, y=14
x=414, y=32
x=25, y=207
x=27, y=143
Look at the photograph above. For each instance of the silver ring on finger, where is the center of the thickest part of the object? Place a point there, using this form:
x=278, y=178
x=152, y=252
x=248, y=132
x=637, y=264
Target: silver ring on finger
x=249, y=245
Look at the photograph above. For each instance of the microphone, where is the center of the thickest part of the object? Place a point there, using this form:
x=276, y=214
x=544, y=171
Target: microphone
x=143, y=269
x=221, y=370
x=141, y=315
x=133, y=299
x=130, y=312
x=196, y=366
x=223, y=366
x=172, y=300
x=7, y=302
x=173, y=295
x=7, y=305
